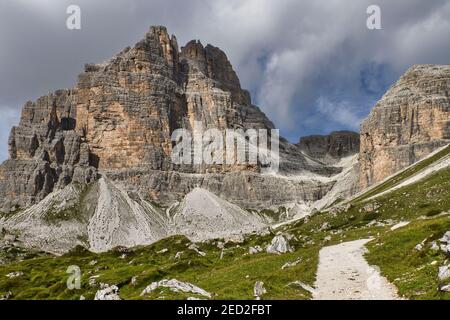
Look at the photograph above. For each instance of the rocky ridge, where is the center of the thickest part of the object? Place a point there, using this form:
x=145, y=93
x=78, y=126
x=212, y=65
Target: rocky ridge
x=330, y=148
x=410, y=121
x=119, y=118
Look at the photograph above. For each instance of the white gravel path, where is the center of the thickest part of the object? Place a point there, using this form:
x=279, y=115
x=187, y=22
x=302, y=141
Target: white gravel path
x=344, y=274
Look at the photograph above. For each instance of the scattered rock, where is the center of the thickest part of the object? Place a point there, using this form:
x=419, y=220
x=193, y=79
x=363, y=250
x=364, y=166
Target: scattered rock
x=82, y=297
x=93, y=281
x=304, y=286
x=176, y=286
x=134, y=280
x=194, y=247
x=6, y=296
x=12, y=275
x=444, y=273
x=10, y=238
x=162, y=251
x=434, y=246
x=445, y=288
x=340, y=208
x=279, y=245
x=291, y=264
x=255, y=250
x=400, y=225
x=178, y=255
x=371, y=207
x=93, y=262
x=325, y=226
x=235, y=238
x=446, y=238
x=445, y=243
x=107, y=293
x=259, y=290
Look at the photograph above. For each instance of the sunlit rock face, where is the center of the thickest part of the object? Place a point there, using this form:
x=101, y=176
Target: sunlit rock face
x=330, y=148
x=410, y=121
x=118, y=121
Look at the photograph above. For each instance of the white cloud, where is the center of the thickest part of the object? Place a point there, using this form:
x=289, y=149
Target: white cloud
x=341, y=112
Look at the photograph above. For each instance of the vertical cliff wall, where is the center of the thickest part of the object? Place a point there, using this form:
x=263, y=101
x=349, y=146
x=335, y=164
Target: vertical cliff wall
x=411, y=120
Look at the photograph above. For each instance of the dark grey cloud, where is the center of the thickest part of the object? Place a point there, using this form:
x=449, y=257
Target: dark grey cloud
x=313, y=66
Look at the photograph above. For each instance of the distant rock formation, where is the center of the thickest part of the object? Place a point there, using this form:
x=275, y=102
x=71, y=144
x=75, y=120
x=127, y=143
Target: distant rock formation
x=330, y=148
x=410, y=121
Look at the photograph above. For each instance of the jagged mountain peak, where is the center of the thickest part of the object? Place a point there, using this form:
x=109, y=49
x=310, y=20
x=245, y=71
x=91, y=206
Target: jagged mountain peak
x=119, y=119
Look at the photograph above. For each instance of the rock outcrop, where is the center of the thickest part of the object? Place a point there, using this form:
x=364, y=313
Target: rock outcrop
x=119, y=118
x=45, y=153
x=176, y=286
x=100, y=217
x=330, y=148
x=279, y=245
x=410, y=121
x=107, y=293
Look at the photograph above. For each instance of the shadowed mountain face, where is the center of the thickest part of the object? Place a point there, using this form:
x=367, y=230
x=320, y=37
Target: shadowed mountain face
x=330, y=148
x=118, y=121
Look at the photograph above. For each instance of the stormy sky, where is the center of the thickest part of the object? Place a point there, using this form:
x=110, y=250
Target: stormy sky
x=312, y=66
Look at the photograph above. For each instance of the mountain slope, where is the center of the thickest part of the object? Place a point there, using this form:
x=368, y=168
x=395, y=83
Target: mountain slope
x=409, y=122
x=227, y=270
x=102, y=216
x=99, y=216
x=119, y=220
x=202, y=215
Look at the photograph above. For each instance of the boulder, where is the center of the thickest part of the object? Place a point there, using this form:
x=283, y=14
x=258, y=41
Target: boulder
x=108, y=293
x=259, y=290
x=444, y=273
x=176, y=286
x=279, y=245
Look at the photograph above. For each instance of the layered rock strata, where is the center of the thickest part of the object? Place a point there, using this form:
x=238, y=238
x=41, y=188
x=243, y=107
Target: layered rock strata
x=410, y=121
x=118, y=122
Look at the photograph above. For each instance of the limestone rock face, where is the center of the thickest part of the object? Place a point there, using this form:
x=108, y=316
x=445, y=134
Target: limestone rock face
x=330, y=148
x=45, y=153
x=119, y=118
x=410, y=121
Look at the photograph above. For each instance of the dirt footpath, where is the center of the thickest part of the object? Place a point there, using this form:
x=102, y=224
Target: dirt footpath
x=344, y=274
